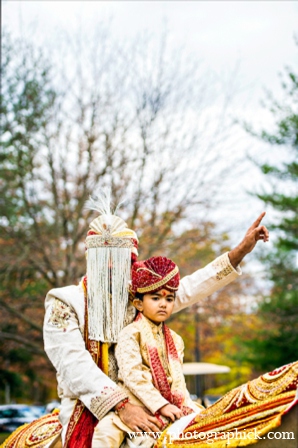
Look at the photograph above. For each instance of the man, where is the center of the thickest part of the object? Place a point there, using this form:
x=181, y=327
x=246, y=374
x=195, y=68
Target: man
x=82, y=325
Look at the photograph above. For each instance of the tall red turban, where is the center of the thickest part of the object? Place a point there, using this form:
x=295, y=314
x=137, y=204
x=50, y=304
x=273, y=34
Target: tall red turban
x=154, y=274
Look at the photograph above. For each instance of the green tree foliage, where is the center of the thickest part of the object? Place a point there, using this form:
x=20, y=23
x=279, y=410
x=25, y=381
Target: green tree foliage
x=277, y=338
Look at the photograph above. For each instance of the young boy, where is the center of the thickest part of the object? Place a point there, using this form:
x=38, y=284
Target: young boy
x=149, y=356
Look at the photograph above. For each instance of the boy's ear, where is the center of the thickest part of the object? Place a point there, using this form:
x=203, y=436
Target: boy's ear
x=138, y=304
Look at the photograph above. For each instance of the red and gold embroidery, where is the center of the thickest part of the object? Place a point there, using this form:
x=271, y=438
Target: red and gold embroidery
x=60, y=315
x=154, y=274
x=37, y=434
x=75, y=417
x=257, y=405
x=173, y=392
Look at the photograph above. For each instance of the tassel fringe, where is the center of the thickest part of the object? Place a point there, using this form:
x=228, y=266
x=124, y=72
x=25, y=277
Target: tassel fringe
x=108, y=272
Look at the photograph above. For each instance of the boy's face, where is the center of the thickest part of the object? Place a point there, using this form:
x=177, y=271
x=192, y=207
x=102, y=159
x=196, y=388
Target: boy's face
x=157, y=306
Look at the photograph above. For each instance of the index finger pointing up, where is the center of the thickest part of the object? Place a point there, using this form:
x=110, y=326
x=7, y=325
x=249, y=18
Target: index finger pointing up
x=258, y=220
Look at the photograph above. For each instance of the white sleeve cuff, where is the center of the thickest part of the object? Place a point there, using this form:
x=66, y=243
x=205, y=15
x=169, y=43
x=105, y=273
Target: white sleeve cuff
x=223, y=267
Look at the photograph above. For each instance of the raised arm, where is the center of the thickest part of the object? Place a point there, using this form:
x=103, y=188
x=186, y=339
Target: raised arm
x=221, y=271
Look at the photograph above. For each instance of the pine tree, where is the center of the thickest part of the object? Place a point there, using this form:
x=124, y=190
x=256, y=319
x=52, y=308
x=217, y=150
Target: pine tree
x=276, y=342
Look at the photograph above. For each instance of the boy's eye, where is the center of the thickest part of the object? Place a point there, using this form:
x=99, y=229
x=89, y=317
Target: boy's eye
x=170, y=299
x=155, y=298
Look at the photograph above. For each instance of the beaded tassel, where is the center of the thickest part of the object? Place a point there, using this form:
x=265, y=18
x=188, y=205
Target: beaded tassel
x=108, y=273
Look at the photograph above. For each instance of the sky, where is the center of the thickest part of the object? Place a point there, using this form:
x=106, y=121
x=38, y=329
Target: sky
x=255, y=36
x=259, y=34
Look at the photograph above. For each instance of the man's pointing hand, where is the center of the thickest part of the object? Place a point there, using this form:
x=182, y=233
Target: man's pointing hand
x=255, y=233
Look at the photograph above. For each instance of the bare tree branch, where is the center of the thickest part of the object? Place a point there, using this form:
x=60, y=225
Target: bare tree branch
x=34, y=348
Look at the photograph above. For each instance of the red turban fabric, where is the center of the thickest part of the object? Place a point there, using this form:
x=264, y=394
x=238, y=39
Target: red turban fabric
x=154, y=274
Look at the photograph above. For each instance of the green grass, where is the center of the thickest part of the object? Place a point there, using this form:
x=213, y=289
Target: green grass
x=3, y=436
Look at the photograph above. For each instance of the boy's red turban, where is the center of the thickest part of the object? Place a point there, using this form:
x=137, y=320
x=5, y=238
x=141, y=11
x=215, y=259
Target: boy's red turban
x=154, y=274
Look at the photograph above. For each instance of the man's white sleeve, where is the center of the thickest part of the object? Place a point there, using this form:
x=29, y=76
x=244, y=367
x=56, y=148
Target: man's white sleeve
x=78, y=374
x=204, y=282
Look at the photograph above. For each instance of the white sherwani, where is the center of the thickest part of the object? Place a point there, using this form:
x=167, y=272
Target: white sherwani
x=77, y=374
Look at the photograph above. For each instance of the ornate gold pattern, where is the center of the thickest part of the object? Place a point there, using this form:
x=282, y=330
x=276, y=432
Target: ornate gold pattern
x=78, y=410
x=257, y=405
x=110, y=241
x=222, y=266
x=109, y=397
x=273, y=384
x=37, y=434
x=154, y=364
x=113, y=368
x=94, y=349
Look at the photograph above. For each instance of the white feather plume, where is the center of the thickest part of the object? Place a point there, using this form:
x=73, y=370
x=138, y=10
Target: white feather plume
x=101, y=202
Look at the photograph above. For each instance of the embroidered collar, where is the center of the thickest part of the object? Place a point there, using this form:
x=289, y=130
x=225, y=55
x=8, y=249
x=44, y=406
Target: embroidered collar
x=174, y=392
x=156, y=329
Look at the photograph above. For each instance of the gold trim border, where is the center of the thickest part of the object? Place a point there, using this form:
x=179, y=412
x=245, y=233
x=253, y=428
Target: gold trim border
x=160, y=283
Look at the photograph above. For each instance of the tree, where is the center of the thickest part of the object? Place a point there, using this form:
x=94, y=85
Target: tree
x=27, y=104
x=133, y=118
x=277, y=338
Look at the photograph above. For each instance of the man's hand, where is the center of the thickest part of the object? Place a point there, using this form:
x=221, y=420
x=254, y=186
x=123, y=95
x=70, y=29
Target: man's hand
x=137, y=419
x=171, y=411
x=252, y=236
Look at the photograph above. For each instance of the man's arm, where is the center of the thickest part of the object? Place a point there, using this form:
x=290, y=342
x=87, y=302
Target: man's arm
x=79, y=375
x=205, y=281
x=221, y=271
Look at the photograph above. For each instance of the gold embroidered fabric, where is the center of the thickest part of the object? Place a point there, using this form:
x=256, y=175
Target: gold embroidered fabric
x=161, y=346
x=222, y=266
x=256, y=406
x=134, y=369
x=102, y=241
x=60, y=315
x=38, y=434
x=113, y=368
x=108, y=398
x=130, y=314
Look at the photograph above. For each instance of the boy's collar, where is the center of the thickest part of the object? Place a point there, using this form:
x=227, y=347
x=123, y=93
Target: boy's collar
x=156, y=328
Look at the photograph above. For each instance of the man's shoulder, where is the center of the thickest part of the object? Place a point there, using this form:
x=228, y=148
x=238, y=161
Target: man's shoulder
x=72, y=295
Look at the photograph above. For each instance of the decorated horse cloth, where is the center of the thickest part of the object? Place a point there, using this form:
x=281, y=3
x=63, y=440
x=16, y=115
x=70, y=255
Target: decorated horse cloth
x=41, y=433
x=241, y=417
